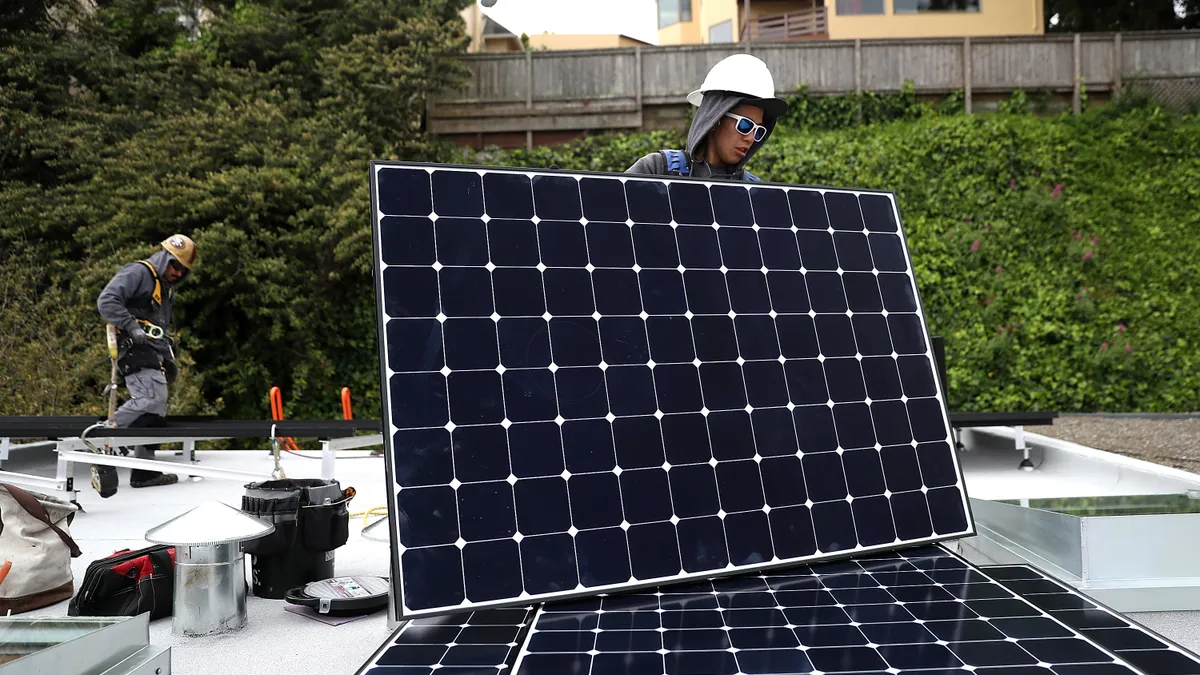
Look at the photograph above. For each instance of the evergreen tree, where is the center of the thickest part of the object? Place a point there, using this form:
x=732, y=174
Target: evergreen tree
x=1077, y=16
x=251, y=134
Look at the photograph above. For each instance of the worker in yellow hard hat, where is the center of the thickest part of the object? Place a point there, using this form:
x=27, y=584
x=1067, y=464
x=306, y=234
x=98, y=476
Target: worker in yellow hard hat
x=138, y=301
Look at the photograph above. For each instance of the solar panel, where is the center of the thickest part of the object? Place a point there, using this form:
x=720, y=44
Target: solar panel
x=1142, y=648
x=472, y=643
x=596, y=382
x=923, y=612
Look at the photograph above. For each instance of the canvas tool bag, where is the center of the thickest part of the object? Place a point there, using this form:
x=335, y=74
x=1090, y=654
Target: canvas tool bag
x=34, y=535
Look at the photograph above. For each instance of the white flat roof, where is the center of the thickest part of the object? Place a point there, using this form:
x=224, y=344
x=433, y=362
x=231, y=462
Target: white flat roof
x=277, y=642
x=1063, y=469
x=274, y=641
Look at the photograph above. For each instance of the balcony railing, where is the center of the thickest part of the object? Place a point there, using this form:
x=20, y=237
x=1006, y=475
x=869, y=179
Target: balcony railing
x=805, y=24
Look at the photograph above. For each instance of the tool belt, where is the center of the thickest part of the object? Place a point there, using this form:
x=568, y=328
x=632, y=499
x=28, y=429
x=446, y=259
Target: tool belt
x=139, y=357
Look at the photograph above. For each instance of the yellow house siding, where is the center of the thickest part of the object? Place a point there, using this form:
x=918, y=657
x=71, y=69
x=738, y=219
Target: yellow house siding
x=996, y=17
x=713, y=12
x=681, y=33
x=705, y=15
x=556, y=41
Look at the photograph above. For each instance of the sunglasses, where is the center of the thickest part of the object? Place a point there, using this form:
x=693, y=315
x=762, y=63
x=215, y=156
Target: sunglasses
x=745, y=126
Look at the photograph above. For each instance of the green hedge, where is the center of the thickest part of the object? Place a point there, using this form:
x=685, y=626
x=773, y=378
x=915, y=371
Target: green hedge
x=1057, y=256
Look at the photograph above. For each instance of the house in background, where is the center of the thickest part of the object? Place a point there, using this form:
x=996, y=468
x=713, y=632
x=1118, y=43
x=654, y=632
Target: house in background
x=716, y=21
x=487, y=35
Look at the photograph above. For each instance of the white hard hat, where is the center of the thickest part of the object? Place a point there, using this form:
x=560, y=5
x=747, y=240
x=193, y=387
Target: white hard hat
x=742, y=74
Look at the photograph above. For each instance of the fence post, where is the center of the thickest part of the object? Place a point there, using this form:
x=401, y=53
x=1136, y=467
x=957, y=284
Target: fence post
x=967, y=74
x=637, y=84
x=1117, y=66
x=1077, y=102
x=746, y=36
x=528, y=100
x=858, y=78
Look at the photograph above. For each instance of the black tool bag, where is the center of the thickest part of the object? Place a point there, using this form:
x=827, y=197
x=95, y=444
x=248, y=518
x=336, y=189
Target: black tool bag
x=128, y=583
x=308, y=514
x=135, y=357
x=311, y=519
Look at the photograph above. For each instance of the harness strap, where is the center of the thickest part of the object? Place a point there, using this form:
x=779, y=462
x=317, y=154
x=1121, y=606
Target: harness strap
x=677, y=162
x=34, y=508
x=157, y=285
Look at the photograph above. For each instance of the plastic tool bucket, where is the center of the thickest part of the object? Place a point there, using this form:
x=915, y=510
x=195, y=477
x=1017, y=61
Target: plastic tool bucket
x=311, y=521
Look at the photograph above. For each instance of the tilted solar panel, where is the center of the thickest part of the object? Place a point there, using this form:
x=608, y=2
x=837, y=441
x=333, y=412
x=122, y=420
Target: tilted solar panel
x=596, y=382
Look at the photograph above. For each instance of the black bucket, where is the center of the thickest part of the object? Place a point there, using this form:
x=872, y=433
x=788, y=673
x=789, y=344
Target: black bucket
x=311, y=519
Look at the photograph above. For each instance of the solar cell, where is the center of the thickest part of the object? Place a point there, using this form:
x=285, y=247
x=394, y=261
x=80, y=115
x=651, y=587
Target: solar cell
x=1142, y=648
x=922, y=611
x=598, y=382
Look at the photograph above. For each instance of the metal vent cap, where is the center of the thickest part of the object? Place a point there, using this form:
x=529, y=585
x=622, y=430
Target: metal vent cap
x=209, y=524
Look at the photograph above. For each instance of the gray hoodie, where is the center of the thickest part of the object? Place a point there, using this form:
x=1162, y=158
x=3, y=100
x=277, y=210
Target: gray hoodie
x=129, y=296
x=708, y=116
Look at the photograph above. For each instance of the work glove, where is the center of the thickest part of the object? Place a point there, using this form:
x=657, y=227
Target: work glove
x=138, y=335
x=170, y=370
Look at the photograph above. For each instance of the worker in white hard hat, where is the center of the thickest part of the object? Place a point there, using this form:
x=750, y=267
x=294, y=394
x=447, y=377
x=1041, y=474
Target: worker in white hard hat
x=137, y=303
x=737, y=111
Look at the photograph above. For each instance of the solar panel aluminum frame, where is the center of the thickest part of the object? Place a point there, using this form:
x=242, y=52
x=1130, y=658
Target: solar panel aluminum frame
x=378, y=265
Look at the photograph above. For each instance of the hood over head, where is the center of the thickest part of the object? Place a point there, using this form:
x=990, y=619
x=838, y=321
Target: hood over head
x=712, y=109
x=160, y=259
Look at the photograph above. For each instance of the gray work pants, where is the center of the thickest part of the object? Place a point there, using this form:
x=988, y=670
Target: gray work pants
x=147, y=396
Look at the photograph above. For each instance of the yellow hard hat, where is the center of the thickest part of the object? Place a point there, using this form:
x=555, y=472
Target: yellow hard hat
x=183, y=248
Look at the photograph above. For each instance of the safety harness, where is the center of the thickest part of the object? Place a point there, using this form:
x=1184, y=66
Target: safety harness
x=677, y=164
x=152, y=331
x=143, y=358
x=157, y=285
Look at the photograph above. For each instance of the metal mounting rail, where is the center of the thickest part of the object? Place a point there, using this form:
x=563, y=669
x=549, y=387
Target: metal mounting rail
x=1001, y=419
x=185, y=427
x=77, y=438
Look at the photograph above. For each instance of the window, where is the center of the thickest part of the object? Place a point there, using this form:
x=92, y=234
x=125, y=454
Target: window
x=915, y=6
x=674, y=11
x=721, y=32
x=845, y=7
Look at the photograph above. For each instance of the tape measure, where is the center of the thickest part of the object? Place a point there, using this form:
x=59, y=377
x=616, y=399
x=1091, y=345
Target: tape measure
x=342, y=596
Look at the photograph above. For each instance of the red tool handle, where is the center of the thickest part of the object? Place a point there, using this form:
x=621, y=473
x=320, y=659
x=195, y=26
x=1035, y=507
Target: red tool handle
x=277, y=415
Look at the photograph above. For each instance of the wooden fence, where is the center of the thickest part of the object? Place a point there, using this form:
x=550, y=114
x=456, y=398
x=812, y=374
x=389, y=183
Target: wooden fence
x=510, y=98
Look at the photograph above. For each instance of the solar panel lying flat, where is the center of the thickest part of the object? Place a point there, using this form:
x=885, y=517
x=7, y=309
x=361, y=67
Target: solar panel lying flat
x=1142, y=648
x=474, y=643
x=598, y=382
x=924, y=612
